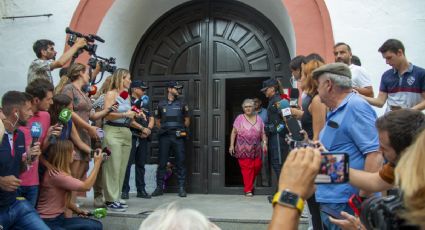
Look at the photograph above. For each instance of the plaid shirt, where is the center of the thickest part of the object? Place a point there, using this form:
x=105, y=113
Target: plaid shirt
x=40, y=69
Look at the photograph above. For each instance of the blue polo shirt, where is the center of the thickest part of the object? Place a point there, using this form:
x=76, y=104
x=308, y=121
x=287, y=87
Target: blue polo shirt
x=10, y=164
x=403, y=90
x=350, y=128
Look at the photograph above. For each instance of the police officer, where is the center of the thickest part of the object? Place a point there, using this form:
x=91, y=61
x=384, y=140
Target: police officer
x=275, y=128
x=172, y=119
x=140, y=137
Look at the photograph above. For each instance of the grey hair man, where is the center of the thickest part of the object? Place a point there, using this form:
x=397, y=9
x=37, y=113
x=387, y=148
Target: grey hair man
x=349, y=128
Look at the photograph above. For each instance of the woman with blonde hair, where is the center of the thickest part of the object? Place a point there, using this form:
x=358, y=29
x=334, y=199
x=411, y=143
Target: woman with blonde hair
x=117, y=138
x=410, y=176
x=56, y=189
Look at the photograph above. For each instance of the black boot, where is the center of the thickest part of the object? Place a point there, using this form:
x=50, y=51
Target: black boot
x=143, y=194
x=158, y=192
x=182, y=192
x=124, y=196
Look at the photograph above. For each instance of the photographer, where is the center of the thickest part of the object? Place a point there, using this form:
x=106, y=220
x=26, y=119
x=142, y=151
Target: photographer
x=55, y=192
x=296, y=180
x=349, y=128
x=397, y=130
x=45, y=51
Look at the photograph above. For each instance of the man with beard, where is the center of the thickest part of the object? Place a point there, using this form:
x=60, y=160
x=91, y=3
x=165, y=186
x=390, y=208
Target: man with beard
x=45, y=62
x=41, y=92
x=172, y=119
x=359, y=77
x=16, y=212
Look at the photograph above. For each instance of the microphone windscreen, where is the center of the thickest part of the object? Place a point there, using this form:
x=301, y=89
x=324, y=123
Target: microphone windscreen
x=283, y=104
x=124, y=95
x=65, y=115
x=36, y=130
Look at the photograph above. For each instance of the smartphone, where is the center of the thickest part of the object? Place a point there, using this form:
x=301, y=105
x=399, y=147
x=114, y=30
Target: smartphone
x=333, y=213
x=294, y=128
x=334, y=168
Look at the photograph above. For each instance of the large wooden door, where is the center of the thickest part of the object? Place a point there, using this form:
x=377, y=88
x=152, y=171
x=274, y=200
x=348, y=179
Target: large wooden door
x=202, y=44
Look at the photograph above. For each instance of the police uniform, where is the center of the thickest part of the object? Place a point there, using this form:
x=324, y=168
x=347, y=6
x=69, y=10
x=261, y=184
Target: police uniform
x=275, y=130
x=139, y=147
x=171, y=115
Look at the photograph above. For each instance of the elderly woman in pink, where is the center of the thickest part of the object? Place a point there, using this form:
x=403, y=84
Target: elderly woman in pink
x=251, y=142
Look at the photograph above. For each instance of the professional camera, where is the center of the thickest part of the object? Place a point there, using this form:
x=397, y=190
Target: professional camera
x=106, y=64
x=91, y=38
x=384, y=213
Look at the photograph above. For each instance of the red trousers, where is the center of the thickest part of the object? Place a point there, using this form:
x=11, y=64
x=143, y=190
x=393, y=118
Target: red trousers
x=249, y=169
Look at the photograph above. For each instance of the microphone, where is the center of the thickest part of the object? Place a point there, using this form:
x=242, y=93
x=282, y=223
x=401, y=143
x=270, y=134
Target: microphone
x=36, y=131
x=124, y=95
x=294, y=94
x=292, y=123
x=64, y=116
x=145, y=100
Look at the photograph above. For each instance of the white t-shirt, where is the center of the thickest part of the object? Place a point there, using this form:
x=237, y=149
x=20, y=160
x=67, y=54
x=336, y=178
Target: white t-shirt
x=359, y=76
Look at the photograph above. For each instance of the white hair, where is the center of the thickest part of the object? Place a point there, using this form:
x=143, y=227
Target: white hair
x=341, y=81
x=173, y=218
x=247, y=101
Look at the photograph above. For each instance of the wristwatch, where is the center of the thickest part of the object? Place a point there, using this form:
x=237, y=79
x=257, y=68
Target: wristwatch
x=288, y=199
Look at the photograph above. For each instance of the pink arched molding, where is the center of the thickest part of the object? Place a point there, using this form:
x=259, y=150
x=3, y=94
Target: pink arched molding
x=310, y=19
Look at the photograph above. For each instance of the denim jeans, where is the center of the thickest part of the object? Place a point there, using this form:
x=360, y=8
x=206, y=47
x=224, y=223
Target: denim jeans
x=21, y=215
x=30, y=193
x=138, y=157
x=337, y=207
x=77, y=223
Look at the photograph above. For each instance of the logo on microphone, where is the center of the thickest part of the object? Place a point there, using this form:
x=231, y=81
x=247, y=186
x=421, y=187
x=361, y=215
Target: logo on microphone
x=286, y=112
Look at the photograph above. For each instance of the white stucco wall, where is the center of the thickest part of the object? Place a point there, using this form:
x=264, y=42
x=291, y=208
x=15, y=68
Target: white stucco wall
x=17, y=36
x=365, y=25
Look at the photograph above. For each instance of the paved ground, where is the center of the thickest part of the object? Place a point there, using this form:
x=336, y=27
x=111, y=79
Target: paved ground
x=228, y=211
x=229, y=207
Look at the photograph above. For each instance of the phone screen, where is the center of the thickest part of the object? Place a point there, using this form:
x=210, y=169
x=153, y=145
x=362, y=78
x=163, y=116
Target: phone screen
x=333, y=169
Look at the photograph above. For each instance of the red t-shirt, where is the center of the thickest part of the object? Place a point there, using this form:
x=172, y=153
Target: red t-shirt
x=30, y=177
x=53, y=189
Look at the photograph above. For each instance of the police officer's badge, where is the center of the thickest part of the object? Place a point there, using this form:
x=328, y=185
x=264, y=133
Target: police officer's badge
x=164, y=110
x=186, y=108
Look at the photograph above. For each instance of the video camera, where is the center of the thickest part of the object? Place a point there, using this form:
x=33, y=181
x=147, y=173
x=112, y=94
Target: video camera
x=91, y=38
x=384, y=213
x=106, y=64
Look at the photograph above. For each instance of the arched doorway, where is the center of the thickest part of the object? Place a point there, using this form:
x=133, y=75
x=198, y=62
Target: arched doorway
x=220, y=51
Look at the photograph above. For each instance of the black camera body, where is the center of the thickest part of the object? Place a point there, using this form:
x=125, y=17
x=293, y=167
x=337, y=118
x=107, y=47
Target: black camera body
x=384, y=213
x=91, y=38
x=105, y=64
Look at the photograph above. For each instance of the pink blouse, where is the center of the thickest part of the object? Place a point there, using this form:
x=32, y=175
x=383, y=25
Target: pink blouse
x=52, y=199
x=248, y=137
